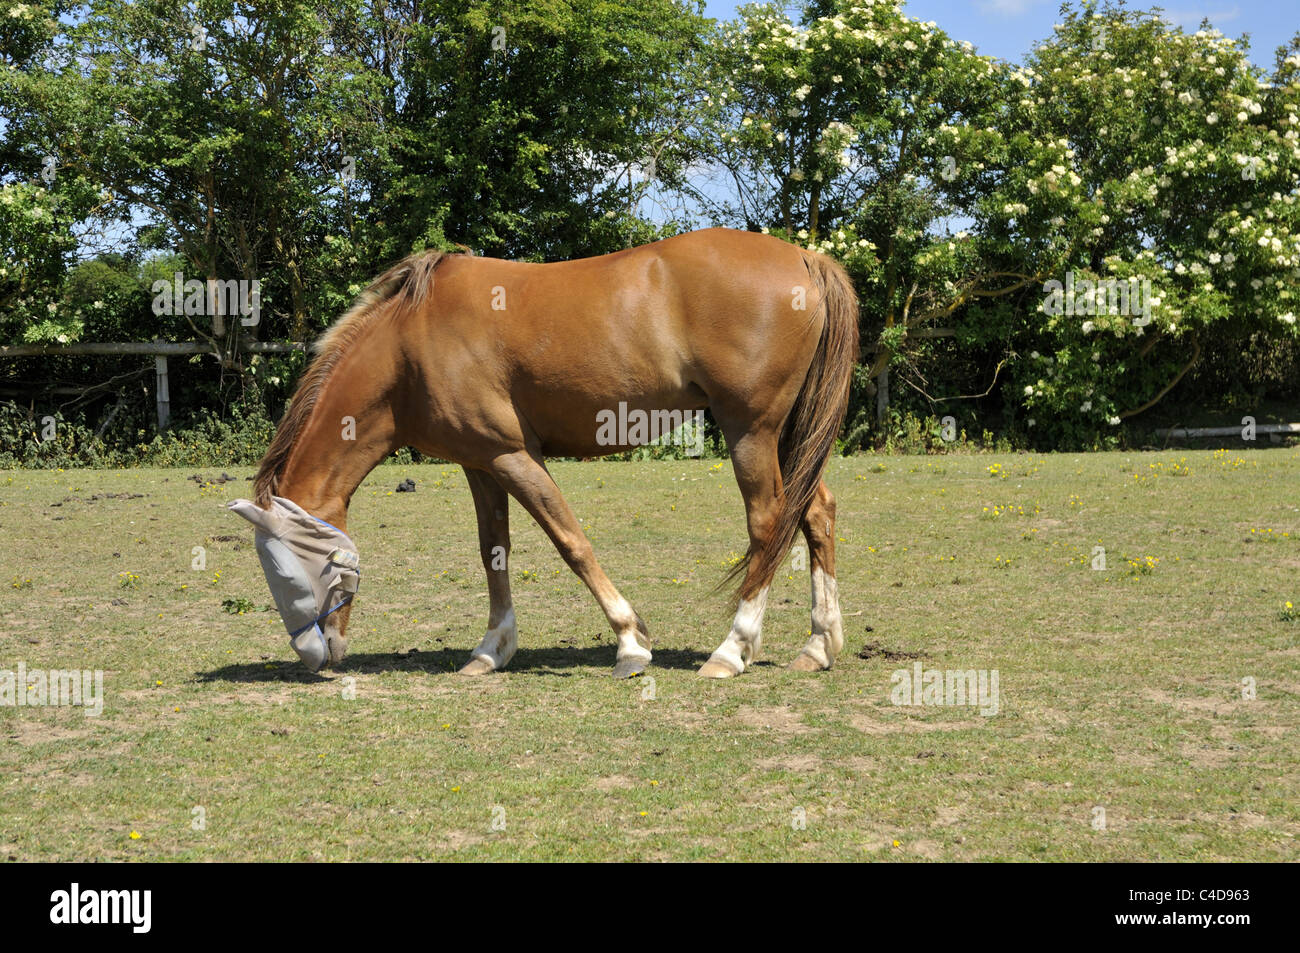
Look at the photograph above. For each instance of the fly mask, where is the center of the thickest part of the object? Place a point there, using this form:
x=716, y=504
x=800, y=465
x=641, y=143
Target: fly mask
x=312, y=568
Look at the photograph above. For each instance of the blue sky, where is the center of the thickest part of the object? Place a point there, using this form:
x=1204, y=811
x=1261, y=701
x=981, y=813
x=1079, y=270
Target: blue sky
x=1009, y=28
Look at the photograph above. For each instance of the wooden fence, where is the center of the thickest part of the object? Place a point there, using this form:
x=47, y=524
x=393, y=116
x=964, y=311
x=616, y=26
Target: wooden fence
x=160, y=350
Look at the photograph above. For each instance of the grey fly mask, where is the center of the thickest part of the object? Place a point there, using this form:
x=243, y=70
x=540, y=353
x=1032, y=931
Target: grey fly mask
x=312, y=568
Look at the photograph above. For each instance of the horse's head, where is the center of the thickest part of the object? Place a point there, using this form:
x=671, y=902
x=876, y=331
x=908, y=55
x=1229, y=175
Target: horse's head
x=313, y=570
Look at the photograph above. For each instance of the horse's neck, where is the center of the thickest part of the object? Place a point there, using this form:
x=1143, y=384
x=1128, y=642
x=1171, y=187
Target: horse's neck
x=350, y=431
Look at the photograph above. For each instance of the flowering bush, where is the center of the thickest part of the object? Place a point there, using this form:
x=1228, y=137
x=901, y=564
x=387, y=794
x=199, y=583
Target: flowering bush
x=1161, y=165
x=1127, y=196
x=36, y=238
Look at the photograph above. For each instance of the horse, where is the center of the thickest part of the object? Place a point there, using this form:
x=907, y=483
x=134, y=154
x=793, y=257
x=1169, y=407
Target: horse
x=496, y=365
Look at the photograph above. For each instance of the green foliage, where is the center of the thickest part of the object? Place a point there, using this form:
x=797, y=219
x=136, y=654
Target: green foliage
x=238, y=605
x=307, y=147
x=207, y=441
x=1124, y=150
x=525, y=124
x=224, y=132
x=37, y=241
x=1137, y=152
x=830, y=126
x=907, y=433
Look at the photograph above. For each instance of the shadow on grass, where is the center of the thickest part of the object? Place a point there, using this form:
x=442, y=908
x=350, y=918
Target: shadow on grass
x=542, y=661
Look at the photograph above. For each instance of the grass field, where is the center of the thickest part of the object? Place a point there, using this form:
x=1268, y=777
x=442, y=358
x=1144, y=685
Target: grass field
x=1119, y=689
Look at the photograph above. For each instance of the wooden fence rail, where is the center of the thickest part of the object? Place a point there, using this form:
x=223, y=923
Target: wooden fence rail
x=1273, y=430
x=160, y=350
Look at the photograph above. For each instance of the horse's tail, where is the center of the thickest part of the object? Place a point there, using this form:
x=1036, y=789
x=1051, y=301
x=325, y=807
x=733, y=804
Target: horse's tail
x=814, y=420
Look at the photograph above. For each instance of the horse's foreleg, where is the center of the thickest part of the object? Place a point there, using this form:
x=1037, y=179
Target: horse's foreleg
x=492, y=507
x=758, y=472
x=525, y=477
x=827, y=639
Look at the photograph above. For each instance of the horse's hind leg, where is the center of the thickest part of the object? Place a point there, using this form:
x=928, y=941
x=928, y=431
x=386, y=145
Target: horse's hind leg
x=758, y=472
x=527, y=480
x=492, y=507
x=827, y=638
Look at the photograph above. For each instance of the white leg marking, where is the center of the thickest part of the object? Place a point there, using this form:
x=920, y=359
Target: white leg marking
x=629, y=636
x=827, y=640
x=499, y=644
x=741, y=645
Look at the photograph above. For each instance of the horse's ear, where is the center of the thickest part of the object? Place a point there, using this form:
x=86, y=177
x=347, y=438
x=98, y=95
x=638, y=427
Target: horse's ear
x=264, y=520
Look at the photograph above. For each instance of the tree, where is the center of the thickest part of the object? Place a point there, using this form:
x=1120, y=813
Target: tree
x=828, y=131
x=41, y=203
x=526, y=128
x=1141, y=162
x=219, y=124
x=1124, y=156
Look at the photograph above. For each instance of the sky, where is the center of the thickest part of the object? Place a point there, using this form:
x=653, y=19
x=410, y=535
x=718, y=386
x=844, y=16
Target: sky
x=1009, y=28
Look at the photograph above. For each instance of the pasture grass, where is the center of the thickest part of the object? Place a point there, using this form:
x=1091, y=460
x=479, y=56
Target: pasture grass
x=1120, y=689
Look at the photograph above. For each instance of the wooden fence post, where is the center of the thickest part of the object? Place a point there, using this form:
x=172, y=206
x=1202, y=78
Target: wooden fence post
x=163, y=398
x=882, y=396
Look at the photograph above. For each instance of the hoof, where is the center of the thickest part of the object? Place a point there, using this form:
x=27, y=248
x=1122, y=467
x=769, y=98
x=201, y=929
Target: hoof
x=804, y=662
x=628, y=667
x=715, y=669
x=477, y=666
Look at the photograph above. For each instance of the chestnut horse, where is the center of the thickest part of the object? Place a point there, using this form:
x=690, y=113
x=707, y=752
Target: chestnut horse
x=496, y=365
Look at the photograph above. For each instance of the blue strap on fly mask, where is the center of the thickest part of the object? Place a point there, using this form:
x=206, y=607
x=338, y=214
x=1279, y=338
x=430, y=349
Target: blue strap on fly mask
x=312, y=646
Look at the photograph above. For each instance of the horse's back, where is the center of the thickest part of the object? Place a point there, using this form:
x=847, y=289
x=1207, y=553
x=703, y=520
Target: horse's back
x=690, y=293
x=701, y=319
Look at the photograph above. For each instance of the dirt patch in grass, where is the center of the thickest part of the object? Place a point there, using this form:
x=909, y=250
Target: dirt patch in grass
x=873, y=722
x=455, y=841
x=1196, y=704
x=37, y=731
x=262, y=694
x=795, y=763
x=782, y=719
x=1211, y=756
x=616, y=782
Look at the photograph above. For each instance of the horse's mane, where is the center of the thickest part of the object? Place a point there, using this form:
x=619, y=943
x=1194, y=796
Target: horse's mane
x=403, y=286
